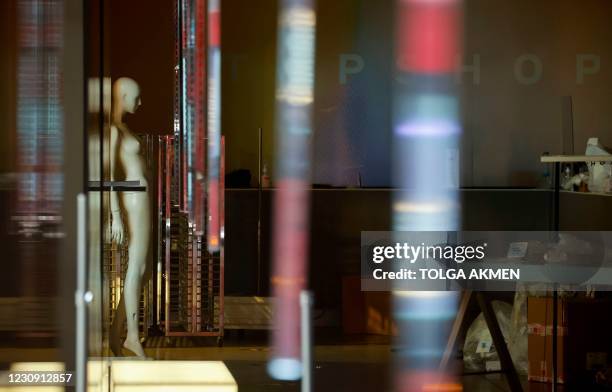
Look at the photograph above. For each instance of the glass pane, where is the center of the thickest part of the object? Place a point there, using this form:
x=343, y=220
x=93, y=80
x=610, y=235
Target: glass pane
x=31, y=180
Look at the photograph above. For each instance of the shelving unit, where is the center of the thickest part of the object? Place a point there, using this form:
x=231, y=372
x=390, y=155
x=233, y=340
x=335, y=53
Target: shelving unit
x=575, y=158
x=557, y=160
x=192, y=279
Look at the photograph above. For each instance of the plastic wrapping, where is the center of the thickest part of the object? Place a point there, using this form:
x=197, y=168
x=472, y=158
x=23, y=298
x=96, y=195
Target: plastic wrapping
x=479, y=352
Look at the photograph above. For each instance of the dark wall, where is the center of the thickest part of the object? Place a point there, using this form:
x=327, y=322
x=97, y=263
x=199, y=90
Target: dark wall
x=8, y=84
x=249, y=37
x=339, y=215
x=507, y=125
x=142, y=47
x=248, y=45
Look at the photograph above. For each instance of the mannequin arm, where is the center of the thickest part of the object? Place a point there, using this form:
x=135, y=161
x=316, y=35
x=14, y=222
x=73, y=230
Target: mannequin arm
x=117, y=222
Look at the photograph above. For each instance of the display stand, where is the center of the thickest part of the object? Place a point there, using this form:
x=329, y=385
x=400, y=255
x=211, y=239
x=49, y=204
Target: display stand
x=557, y=160
x=194, y=279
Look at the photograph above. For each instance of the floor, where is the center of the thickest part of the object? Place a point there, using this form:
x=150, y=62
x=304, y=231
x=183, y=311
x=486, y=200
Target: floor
x=341, y=364
x=337, y=368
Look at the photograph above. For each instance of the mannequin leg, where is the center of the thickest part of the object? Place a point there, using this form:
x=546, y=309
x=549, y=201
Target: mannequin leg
x=116, y=329
x=118, y=325
x=137, y=207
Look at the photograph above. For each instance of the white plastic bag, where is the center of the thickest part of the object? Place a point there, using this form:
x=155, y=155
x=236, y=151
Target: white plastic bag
x=479, y=352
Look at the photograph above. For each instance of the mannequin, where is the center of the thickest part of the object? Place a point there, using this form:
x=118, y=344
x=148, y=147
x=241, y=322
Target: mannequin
x=125, y=158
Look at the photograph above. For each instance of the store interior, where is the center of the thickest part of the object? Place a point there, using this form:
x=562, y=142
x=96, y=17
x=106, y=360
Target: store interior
x=185, y=186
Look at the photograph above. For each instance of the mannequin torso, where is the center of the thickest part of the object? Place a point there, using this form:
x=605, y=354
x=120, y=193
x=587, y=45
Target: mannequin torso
x=130, y=155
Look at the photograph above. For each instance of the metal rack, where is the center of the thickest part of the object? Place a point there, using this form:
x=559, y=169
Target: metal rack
x=115, y=258
x=115, y=268
x=192, y=279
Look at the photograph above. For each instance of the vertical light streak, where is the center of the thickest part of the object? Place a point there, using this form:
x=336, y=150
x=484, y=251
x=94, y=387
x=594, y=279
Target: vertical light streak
x=426, y=139
x=193, y=103
x=39, y=113
x=187, y=42
x=214, y=123
x=294, y=97
x=198, y=168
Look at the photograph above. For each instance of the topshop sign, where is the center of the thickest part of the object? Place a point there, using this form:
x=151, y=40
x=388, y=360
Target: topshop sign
x=528, y=69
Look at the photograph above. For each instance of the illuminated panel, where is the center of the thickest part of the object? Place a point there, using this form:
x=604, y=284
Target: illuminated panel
x=214, y=123
x=171, y=376
x=294, y=96
x=425, y=142
x=97, y=376
x=17, y=367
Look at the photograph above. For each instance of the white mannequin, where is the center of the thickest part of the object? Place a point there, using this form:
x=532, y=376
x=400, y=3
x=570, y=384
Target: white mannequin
x=125, y=155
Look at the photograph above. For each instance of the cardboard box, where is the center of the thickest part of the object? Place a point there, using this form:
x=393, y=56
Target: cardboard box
x=540, y=313
x=584, y=343
x=367, y=312
x=540, y=339
x=379, y=318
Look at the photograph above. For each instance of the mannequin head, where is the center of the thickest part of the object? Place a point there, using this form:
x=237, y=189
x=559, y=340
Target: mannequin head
x=126, y=97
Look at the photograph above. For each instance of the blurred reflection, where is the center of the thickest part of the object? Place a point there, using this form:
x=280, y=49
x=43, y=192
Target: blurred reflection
x=39, y=114
x=214, y=123
x=32, y=198
x=191, y=120
x=426, y=140
x=294, y=96
x=99, y=105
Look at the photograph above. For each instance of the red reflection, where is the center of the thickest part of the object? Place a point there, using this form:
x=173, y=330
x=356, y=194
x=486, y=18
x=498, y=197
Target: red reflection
x=428, y=381
x=427, y=36
x=214, y=30
x=290, y=246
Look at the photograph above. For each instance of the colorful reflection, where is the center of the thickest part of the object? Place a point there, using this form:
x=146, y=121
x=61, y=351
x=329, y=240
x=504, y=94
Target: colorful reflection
x=191, y=132
x=426, y=141
x=214, y=123
x=294, y=97
x=39, y=115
